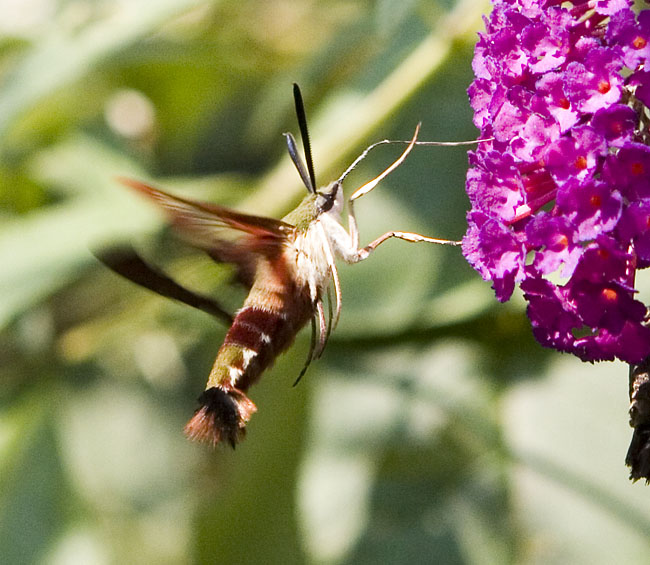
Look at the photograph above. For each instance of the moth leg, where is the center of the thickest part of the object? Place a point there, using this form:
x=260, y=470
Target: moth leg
x=406, y=236
x=316, y=349
x=331, y=264
x=310, y=355
x=330, y=314
x=322, y=330
x=353, y=227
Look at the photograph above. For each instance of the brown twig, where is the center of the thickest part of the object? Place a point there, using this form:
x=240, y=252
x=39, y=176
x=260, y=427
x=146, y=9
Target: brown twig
x=638, y=454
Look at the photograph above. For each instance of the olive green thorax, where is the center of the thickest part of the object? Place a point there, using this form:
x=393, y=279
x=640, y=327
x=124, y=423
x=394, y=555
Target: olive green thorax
x=303, y=214
x=312, y=206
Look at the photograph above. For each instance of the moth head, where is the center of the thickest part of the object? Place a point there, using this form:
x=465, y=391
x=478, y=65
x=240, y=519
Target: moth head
x=330, y=198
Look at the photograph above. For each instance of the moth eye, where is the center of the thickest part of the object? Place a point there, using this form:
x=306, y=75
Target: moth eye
x=325, y=201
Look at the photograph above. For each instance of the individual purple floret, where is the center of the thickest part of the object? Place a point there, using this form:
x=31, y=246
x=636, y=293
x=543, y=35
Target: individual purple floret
x=560, y=193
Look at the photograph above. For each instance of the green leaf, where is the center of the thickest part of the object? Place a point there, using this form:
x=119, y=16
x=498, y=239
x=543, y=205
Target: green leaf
x=51, y=246
x=66, y=52
x=568, y=435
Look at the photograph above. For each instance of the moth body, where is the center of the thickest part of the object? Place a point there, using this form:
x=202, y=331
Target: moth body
x=288, y=267
x=288, y=284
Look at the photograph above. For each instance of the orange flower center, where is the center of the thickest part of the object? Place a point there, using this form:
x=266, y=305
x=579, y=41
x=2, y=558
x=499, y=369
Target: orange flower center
x=580, y=163
x=609, y=295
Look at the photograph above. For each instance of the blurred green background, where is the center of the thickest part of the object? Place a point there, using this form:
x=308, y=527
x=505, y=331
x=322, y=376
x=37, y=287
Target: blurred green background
x=433, y=430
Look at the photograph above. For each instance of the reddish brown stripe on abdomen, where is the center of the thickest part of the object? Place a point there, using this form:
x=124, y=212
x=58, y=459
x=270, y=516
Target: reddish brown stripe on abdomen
x=264, y=332
x=259, y=331
x=252, y=324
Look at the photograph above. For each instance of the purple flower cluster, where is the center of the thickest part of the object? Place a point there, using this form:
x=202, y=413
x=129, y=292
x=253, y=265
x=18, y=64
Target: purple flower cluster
x=561, y=194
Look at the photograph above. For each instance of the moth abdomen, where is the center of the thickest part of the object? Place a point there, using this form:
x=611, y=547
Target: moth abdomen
x=222, y=416
x=257, y=336
x=252, y=343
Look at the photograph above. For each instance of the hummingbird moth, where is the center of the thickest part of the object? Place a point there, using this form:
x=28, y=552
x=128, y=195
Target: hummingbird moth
x=288, y=267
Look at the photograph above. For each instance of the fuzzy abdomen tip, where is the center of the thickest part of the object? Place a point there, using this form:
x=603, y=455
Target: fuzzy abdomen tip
x=222, y=416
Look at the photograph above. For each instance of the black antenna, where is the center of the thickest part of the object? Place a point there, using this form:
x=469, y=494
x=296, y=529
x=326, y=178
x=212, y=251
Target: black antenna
x=304, y=133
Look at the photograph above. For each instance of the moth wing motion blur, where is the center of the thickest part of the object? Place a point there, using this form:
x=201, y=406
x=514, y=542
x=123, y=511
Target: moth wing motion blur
x=127, y=262
x=288, y=267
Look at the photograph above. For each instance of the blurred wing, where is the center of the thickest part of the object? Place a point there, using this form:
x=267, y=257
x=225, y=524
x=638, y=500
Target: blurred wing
x=125, y=261
x=210, y=226
x=226, y=235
